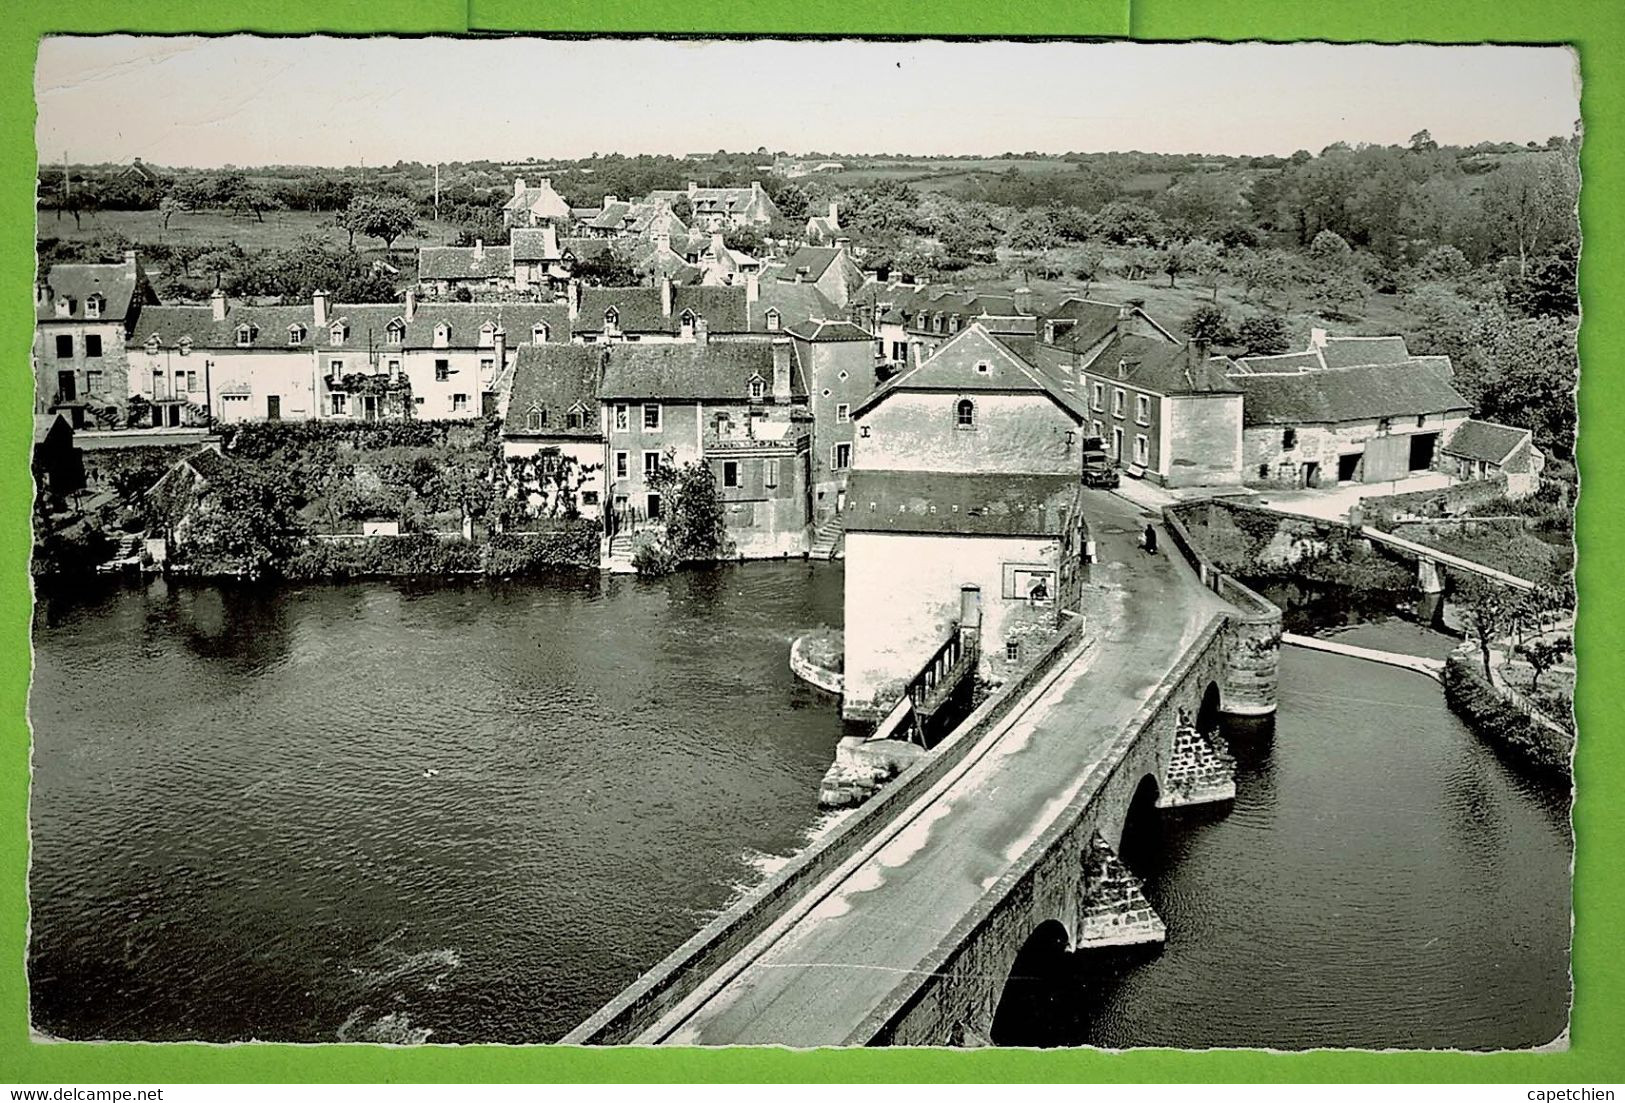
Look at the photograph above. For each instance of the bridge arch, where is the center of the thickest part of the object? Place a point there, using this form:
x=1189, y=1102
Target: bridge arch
x=1041, y=1003
x=1141, y=830
x=1207, y=714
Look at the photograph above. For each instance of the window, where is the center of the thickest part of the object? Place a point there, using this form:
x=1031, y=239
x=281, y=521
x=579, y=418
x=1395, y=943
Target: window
x=1142, y=409
x=1263, y=471
x=730, y=473
x=1012, y=650
x=842, y=377
x=335, y=369
x=93, y=382
x=758, y=387
x=772, y=319
x=687, y=323
x=770, y=473
x=234, y=399
x=336, y=333
x=245, y=336
x=1289, y=439
x=1142, y=450
x=965, y=414
x=488, y=365
x=953, y=327
x=442, y=370
x=899, y=351
x=863, y=431
x=535, y=419
x=442, y=335
x=93, y=344
x=191, y=381
x=841, y=457
x=538, y=333
x=651, y=416
x=1096, y=429
x=93, y=306
x=394, y=368
x=1031, y=582
x=620, y=417
x=843, y=413
x=157, y=383
x=1117, y=401
x=572, y=420
x=64, y=346
x=395, y=332
x=151, y=344
x=651, y=463
x=459, y=402
x=186, y=346
x=621, y=464
x=983, y=367
x=1099, y=397
x=612, y=318
x=341, y=402
x=488, y=335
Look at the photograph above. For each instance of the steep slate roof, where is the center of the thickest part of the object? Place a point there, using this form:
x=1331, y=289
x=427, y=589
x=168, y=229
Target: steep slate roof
x=554, y=378
x=611, y=217
x=1346, y=394
x=583, y=248
x=120, y=284
x=1157, y=366
x=448, y=262
x=45, y=423
x=816, y=259
x=938, y=502
x=516, y=319
x=531, y=243
x=530, y=196
x=953, y=368
x=1350, y=352
x=1280, y=363
x=691, y=370
x=795, y=302
x=723, y=308
x=1486, y=440
x=838, y=330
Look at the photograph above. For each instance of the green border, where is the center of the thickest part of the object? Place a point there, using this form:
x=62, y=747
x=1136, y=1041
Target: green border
x=1595, y=27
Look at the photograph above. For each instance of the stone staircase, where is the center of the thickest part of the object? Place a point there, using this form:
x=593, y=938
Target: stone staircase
x=828, y=539
x=618, y=558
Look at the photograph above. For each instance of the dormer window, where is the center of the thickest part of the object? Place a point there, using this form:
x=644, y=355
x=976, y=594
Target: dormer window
x=953, y=324
x=152, y=343
x=296, y=334
x=245, y=335
x=488, y=335
x=64, y=307
x=539, y=334
x=773, y=318
x=758, y=387
x=442, y=335
x=687, y=323
x=536, y=418
x=612, y=318
x=94, y=305
x=395, y=331
x=337, y=332
x=186, y=346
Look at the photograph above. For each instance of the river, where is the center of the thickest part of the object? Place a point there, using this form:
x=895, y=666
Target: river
x=457, y=812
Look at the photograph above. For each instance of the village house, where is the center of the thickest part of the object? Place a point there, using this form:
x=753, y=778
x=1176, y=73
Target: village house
x=354, y=361
x=721, y=266
x=1369, y=424
x=774, y=307
x=831, y=269
x=837, y=360
x=720, y=208
x=84, y=315
x=479, y=269
x=55, y=462
x=912, y=321
x=823, y=229
x=1165, y=409
x=967, y=468
x=552, y=431
x=1488, y=450
x=737, y=403
x=534, y=206
x=665, y=312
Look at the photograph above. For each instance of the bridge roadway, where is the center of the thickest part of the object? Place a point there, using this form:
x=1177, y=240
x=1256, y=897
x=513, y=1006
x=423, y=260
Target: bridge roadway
x=831, y=960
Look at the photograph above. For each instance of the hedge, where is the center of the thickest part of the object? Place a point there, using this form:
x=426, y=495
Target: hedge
x=1500, y=722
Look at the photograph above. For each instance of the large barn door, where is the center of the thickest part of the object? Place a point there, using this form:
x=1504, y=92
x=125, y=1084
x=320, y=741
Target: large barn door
x=1387, y=458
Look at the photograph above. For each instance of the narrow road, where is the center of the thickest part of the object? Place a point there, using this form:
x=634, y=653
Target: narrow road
x=832, y=959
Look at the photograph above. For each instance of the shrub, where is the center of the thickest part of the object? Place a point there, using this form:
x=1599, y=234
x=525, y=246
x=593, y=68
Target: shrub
x=1501, y=723
x=564, y=546
x=652, y=555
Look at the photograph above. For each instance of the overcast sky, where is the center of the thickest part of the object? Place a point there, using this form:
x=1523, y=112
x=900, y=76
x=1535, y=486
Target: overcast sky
x=330, y=101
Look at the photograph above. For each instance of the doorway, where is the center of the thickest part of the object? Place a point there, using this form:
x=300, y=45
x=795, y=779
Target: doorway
x=1422, y=449
x=970, y=608
x=1117, y=445
x=654, y=507
x=67, y=386
x=273, y=407
x=1348, y=467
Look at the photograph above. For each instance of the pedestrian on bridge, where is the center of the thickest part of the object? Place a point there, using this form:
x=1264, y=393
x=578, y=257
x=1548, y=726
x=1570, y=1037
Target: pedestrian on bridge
x=1150, y=544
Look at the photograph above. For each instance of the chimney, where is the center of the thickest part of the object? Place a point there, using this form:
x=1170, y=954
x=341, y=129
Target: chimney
x=693, y=189
x=663, y=241
x=518, y=186
x=129, y=256
x=500, y=343
x=1124, y=312
x=834, y=215
x=1317, y=338
x=841, y=244
x=479, y=248
x=753, y=287
x=411, y=305
x=574, y=294
x=702, y=330
x=217, y=305
x=665, y=296
x=756, y=187
x=550, y=242
x=718, y=246
x=781, y=369
x=1196, y=357
x=608, y=199
x=318, y=304
x=1024, y=300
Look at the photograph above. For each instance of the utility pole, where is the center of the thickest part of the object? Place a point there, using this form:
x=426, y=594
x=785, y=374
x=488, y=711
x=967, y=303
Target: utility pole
x=440, y=237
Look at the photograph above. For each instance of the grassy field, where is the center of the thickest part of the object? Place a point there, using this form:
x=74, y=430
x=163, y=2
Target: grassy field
x=279, y=229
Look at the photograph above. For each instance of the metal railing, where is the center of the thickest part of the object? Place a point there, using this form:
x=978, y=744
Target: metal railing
x=943, y=671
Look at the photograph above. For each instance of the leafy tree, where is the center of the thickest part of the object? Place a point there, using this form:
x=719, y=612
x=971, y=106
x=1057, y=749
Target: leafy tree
x=1209, y=323
x=1266, y=272
x=170, y=206
x=1203, y=258
x=606, y=269
x=1487, y=608
x=1127, y=223
x=1034, y=232
x=1171, y=261
x=387, y=218
x=1263, y=334
x=1542, y=655
x=1329, y=248
x=1550, y=288
x=696, y=529
x=1422, y=142
x=1444, y=263
x=218, y=263
x=253, y=524
x=1087, y=264
x=1530, y=203
x=1338, y=292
